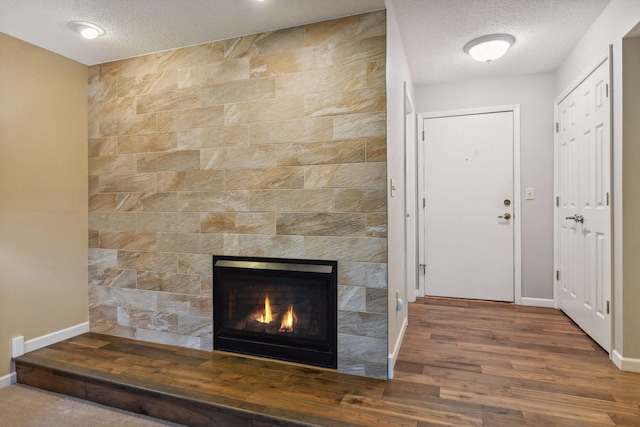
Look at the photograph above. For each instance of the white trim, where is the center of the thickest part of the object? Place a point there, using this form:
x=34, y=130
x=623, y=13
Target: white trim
x=538, y=302
x=393, y=357
x=517, y=202
x=17, y=346
x=45, y=340
x=625, y=363
x=7, y=380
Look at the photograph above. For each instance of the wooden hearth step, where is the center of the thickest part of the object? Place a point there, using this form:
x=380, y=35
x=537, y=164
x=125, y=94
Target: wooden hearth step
x=198, y=388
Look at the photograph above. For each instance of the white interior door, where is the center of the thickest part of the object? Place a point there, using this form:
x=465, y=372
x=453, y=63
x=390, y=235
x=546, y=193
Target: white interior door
x=411, y=217
x=583, y=205
x=469, y=233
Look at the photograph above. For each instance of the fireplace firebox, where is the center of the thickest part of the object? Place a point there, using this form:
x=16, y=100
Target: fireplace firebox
x=278, y=308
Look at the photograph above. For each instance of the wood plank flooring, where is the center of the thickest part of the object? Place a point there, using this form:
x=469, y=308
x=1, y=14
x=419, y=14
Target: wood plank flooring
x=462, y=362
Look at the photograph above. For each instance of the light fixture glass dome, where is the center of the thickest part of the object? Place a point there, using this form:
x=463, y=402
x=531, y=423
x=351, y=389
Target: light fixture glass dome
x=489, y=48
x=87, y=29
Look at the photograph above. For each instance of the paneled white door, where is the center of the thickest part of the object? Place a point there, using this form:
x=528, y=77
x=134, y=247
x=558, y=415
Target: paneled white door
x=469, y=234
x=583, y=205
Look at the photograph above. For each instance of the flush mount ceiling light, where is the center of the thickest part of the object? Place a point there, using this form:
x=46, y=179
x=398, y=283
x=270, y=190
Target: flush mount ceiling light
x=489, y=48
x=87, y=29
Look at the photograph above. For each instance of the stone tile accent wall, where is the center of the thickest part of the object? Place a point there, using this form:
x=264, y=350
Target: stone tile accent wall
x=271, y=144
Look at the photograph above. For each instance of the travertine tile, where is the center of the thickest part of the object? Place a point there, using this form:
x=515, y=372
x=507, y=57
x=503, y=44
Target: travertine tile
x=93, y=130
x=93, y=74
x=362, y=324
x=190, y=119
x=268, y=42
x=147, y=202
x=345, y=175
x=113, y=277
x=363, y=274
x=93, y=184
x=207, y=53
x=264, y=246
x=322, y=152
x=346, y=29
x=376, y=150
x=344, y=102
x=361, y=50
x=169, y=282
x=269, y=110
x=238, y=91
x=368, y=349
x=195, y=243
x=291, y=200
x=173, y=222
x=139, y=182
x=185, y=304
x=215, y=201
x=268, y=65
x=107, y=146
x=238, y=157
x=320, y=224
x=102, y=203
x=105, y=314
x=195, y=325
x=238, y=223
x=133, y=298
x=128, y=240
x=196, y=263
x=376, y=74
x=370, y=125
x=149, y=261
x=110, y=329
x=167, y=338
x=348, y=77
x=112, y=221
x=376, y=224
x=215, y=137
x=93, y=239
x=377, y=300
x=112, y=108
x=367, y=199
x=131, y=125
x=179, y=99
x=101, y=90
x=370, y=249
x=207, y=75
x=101, y=165
x=259, y=179
x=201, y=180
x=106, y=127
x=185, y=160
x=148, y=83
x=302, y=130
x=147, y=143
x=352, y=298
x=137, y=66
x=152, y=320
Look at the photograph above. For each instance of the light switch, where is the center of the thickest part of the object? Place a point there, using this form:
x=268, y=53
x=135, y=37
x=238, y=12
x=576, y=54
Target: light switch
x=528, y=193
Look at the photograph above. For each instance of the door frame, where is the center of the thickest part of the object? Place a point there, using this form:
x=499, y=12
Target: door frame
x=517, y=202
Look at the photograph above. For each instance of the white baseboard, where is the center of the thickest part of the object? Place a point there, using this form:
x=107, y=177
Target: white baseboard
x=625, y=363
x=19, y=346
x=7, y=380
x=537, y=302
x=391, y=361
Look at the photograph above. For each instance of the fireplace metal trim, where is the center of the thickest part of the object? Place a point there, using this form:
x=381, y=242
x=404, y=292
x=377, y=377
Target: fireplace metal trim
x=254, y=265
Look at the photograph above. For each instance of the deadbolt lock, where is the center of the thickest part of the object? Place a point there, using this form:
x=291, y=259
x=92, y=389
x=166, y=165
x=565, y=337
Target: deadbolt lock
x=507, y=202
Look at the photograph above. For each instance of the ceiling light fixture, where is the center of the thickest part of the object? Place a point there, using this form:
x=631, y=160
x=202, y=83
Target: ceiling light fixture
x=87, y=29
x=489, y=48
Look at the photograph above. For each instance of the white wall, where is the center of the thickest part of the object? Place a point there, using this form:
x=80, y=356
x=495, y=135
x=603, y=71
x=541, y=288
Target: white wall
x=397, y=75
x=617, y=19
x=535, y=94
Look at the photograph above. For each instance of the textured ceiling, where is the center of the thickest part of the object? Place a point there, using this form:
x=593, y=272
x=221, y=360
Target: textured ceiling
x=433, y=31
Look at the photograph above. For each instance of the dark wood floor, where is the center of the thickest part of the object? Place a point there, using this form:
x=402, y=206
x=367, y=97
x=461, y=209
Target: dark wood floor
x=461, y=363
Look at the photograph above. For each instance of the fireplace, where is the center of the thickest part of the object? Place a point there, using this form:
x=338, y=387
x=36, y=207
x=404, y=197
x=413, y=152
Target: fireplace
x=277, y=308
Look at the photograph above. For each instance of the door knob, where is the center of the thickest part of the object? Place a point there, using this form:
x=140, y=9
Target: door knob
x=505, y=216
x=576, y=218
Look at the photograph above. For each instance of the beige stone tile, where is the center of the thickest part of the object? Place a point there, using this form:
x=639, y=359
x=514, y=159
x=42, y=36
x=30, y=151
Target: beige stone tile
x=365, y=274
x=369, y=199
x=180, y=99
x=186, y=160
x=258, y=245
x=238, y=157
x=147, y=202
x=112, y=221
x=168, y=338
x=116, y=165
x=238, y=223
x=102, y=203
x=185, y=304
x=376, y=150
x=194, y=243
x=318, y=200
x=345, y=175
x=363, y=249
x=112, y=108
x=93, y=74
x=203, y=54
x=190, y=119
x=361, y=50
x=145, y=319
x=103, y=146
x=139, y=182
x=348, y=77
x=128, y=240
x=268, y=42
x=147, y=143
x=148, y=83
x=93, y=184
x=93, y=241
x=215, y=137
x=376, y=74
x=376, y=224
x=321, y=224
x=201, y=180
x=262, y=179
x=352, y=298
x=148, y=261
x=173, y=222
x=93, y=129
x=302, y=130
x=109, y=127
x=104, y=314
x=268, y=110
x=212, y=74
x=109, y=329
x=238, y=91
x=196, y=263
x=214, y=201
x=136, y=124
x=345, y=29
x=101, y=90
x=369, y=125
x=137, y=66
x=169, y=282
x=269, y=65
x=323, y=152
x=195, y=325
x=344, y=102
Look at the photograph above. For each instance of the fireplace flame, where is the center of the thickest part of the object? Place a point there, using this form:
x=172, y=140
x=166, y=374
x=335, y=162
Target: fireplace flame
x=287, y=321
x=267, y=316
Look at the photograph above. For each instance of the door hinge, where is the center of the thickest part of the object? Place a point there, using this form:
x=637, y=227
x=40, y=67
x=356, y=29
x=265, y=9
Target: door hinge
x=423, y=135
x=608, y=307
x=557, y=127
x=424, y=268
x=557, y=274
x=424, y=202
x=606, y=87
x=607, y=198
x=558, y=201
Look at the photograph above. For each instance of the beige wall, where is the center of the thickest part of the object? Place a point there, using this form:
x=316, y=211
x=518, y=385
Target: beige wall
x=43, y=187
x=271, y=144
